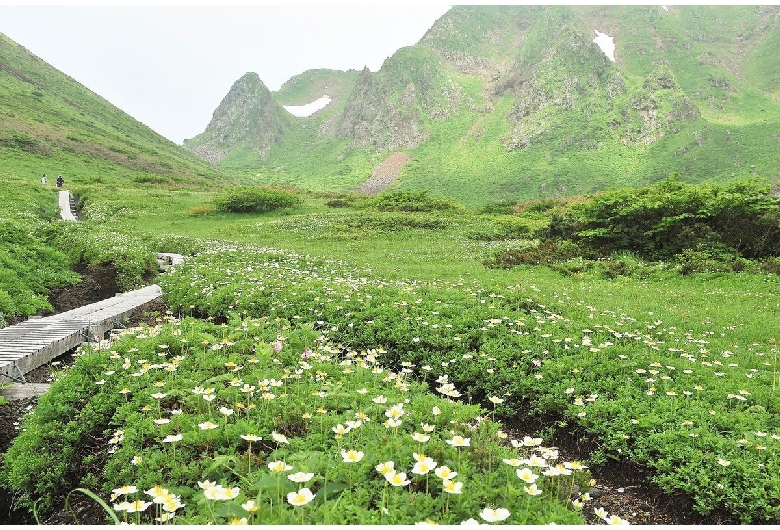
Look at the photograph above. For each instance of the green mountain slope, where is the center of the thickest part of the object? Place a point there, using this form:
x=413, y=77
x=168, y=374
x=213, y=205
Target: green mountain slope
x=49, y=123
x=519, y=102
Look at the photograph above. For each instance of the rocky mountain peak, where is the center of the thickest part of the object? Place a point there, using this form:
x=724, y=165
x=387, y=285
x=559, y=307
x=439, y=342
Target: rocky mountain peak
x=247, y=117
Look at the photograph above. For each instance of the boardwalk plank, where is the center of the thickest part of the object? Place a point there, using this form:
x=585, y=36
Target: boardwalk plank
x=35, y=342
x=24, y=391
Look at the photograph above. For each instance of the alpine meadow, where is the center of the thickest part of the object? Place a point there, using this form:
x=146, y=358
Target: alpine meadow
x=525, y=273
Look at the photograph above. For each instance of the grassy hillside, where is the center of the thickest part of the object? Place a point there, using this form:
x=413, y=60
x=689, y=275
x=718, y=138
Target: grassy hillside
x=51, y=124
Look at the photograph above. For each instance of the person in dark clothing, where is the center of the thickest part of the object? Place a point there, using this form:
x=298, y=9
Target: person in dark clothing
x=60, y=180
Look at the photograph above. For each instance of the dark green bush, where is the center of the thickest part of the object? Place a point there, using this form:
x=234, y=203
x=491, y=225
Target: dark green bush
x=771, y=265
x=545, y=253
x=339, y=203
x=256, y=200
x=661, y=221
x=508, y=227
x=500, y=207
x=151, y=179
x=704, y=259
x=414, y=201
x=543, y=205
x=393, y=222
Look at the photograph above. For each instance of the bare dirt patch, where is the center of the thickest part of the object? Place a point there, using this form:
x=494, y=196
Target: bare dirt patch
x=98, y=283
x=385, y=174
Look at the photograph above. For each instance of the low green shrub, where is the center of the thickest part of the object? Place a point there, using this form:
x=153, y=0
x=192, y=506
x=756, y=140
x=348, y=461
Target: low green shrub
x=393, y=222
x=546, y=252
x=40, y=462
x=705, y=259
x=256, y=200
x=414, y=201
x=498, y=208
x=89, y=243
x=196, y=211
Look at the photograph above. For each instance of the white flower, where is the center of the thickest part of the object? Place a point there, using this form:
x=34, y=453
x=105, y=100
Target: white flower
x=445, y=473
x=279, y=438
x=453, y=487
x=300, y=476
x=156, y=491
x=279, y=466
x=459, y=441
x=526, y=475
x=397, y=479
x=352, y=455
x=125, y=490
x=532, y=490
x=422, y=467
x=493, y=515
x=340, y=429
x=385, y=467
x=300, y=497
x=137, y=506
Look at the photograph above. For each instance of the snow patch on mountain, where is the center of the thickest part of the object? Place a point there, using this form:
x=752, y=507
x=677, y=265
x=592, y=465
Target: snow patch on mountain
x=303, y=111
x=606, y=43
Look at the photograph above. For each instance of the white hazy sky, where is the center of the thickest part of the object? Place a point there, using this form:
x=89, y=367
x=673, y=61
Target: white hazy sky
x=170, y=66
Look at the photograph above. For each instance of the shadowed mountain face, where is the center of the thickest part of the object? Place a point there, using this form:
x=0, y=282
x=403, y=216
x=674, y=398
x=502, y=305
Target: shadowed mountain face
x=529, y=101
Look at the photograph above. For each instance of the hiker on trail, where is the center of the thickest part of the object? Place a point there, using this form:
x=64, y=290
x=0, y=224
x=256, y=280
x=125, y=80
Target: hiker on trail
x=43, y=179
x=59, y=181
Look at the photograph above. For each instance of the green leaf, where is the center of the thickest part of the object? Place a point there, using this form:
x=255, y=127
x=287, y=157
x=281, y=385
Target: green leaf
x=97, y=499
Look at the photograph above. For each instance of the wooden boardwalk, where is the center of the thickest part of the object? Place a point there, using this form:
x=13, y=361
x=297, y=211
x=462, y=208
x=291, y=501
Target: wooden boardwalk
x=33, y=343
x=65, y=210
